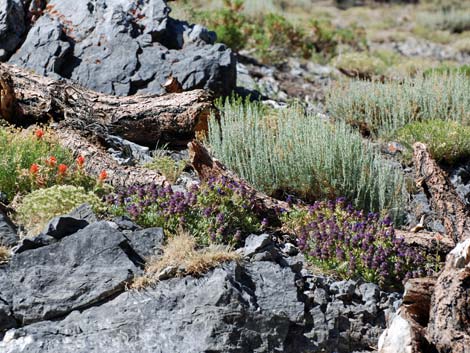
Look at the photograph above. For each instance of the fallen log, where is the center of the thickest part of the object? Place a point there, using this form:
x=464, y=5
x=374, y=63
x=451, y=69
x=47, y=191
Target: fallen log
x=174, y=118
x=441, y=194
x=449, y=325
x=432, y=243
x=98, y=160
x=407, y=329
x=208, y=167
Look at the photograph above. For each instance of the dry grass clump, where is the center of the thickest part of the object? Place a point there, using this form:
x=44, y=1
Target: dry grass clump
x=166, y=165
x=4, y=254
x=184, y=258
x=463, y=45
x=361, y=65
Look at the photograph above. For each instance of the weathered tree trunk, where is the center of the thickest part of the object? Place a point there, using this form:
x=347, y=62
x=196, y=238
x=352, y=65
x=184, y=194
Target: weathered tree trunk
x=432, y=243
x=97, y=160
x=441, y=194
x=406, y=331
x=208, y=167
x=435, y=315
x=449, y=325
x=173, y=118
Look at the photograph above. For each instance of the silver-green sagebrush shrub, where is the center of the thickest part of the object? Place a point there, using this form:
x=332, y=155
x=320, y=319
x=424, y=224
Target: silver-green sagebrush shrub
x=305, y=155
x=382, y=108
x=38, y=207
x=453, y=19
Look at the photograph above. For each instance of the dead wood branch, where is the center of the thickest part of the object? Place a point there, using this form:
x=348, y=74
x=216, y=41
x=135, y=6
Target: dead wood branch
x=144, y=119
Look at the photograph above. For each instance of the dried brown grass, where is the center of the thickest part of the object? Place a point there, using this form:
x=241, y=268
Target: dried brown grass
x=181, y=253
x=4, y=254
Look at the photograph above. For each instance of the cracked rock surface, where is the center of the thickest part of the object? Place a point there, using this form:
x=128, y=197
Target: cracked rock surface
x=114, y=46
x=70, y=296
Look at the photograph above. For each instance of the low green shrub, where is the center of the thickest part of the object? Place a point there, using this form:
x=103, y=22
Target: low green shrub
x=272, y=37
x=327, y=37
x=462, y=45
x=19, y=150
x=305, y=155
x=385, y=107
x=448, y=141
x=38, y=207
x=354, y=244
x=217, y=212
x=166, y=165
x=229, y=23
x=361, y=65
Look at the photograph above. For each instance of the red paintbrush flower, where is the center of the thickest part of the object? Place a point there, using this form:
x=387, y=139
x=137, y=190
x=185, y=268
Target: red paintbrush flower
x=51, y=161
x=80, y=161
x=39, y=133
x=34, y=169
x=62, y=169
x=103, y=175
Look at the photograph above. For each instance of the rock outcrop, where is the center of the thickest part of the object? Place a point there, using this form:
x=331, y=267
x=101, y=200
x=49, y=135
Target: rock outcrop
x=70, y=296
x=115, y=46
x=12, y=26
x=8, y=235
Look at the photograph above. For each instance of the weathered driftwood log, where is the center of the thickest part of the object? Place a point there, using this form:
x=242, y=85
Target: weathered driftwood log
x=449, y=325
x=144, y=119
x=97, y=160
x=432, y=243
x=435, y=314
x=441, y=194
x=406, y=331
x=208, y=167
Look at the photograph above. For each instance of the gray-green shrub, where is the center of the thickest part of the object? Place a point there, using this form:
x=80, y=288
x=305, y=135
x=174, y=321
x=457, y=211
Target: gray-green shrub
x=305, y=155
x=386, y=107
x=453, y=20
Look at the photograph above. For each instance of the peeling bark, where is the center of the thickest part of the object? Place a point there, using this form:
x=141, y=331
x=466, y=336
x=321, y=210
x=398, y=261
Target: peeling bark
x=432, y=243
x=449, y=325
x=441, y=194
x=144, y=119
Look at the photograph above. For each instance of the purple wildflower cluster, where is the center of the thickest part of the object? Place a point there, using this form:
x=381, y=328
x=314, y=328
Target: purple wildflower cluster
x=219, y=211
x=354, y=244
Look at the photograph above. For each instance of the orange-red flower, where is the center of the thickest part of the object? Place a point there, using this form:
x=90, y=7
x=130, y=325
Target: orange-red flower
x=39, y=133
x=51, y=161
x=103, y=175
x=80, y=161
x=62, y=169
x=34, y=169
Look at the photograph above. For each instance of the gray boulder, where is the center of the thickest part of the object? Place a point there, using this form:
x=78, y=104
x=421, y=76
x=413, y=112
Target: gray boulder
x=123, y=47
x=147, y=242
x=8, y=234
x=12, y=26
x=231, y=309
x=62, y=226
x=79, y=271
x=346, y=316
